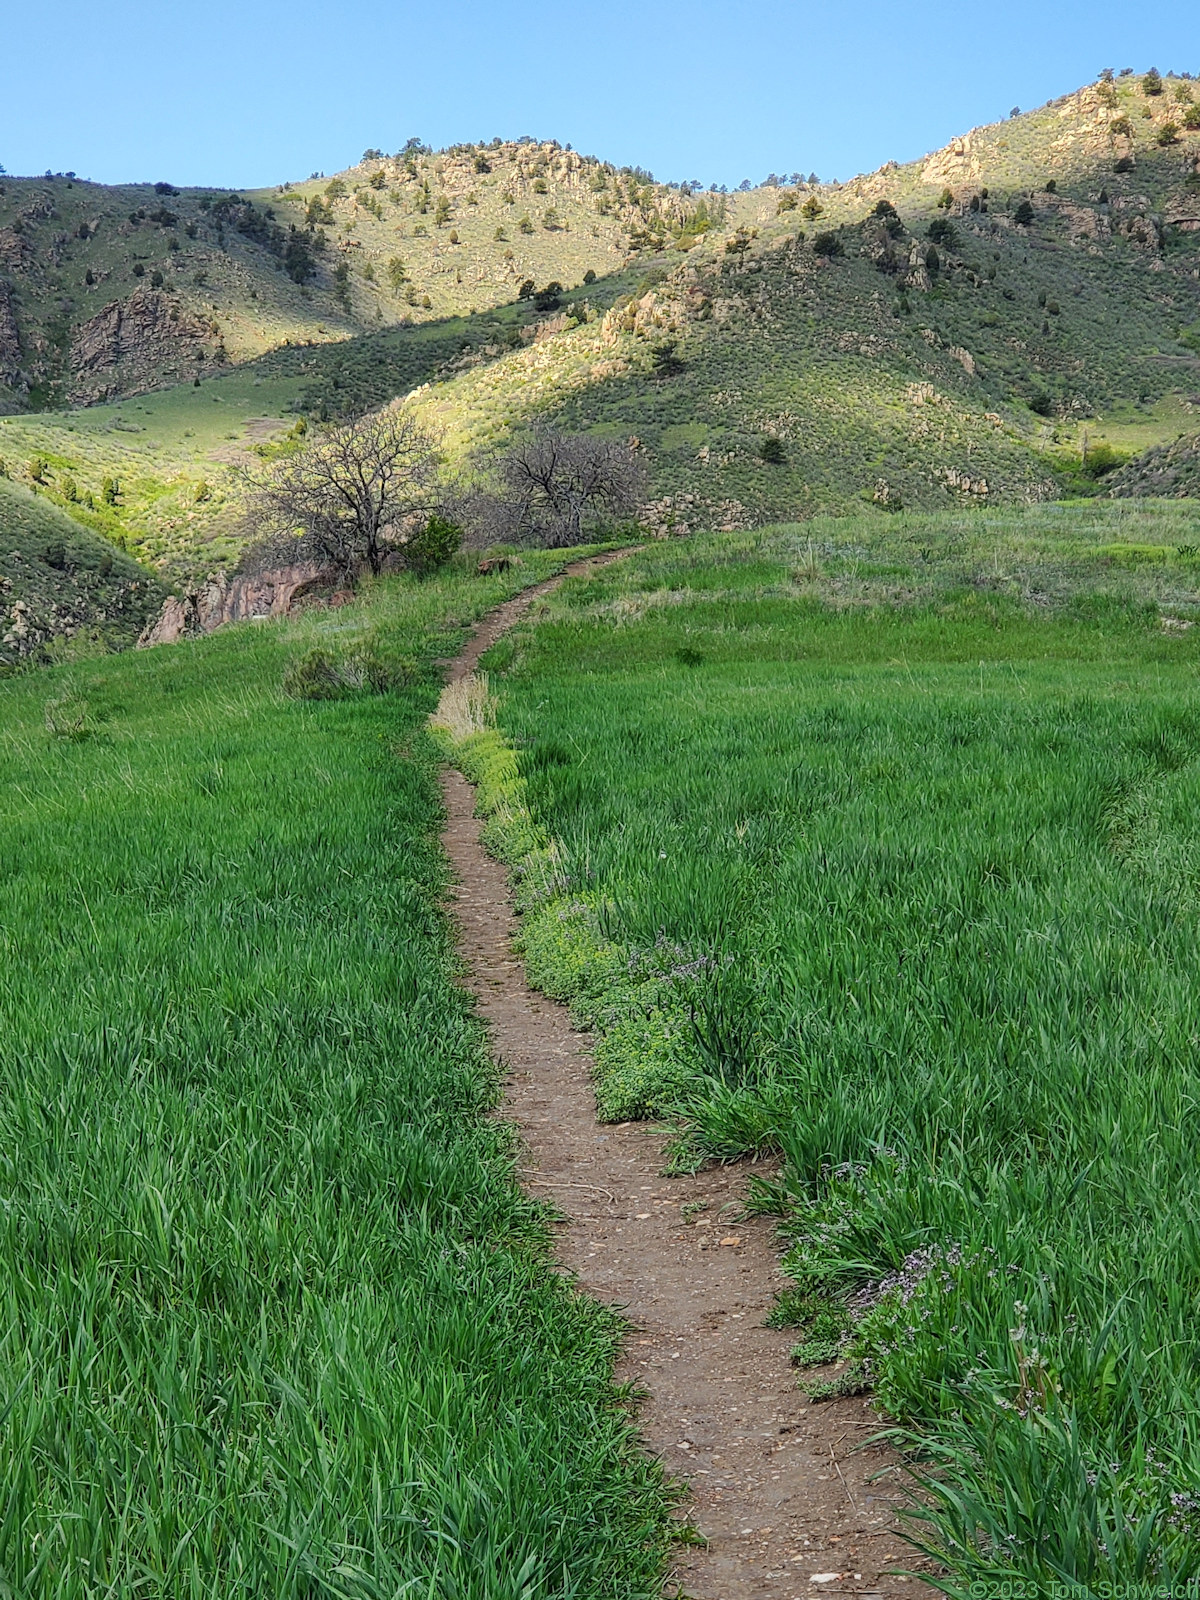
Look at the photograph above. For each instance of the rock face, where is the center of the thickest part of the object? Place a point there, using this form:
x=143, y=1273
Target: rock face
x=134, y=345
x=11, y=375
x=239, y=598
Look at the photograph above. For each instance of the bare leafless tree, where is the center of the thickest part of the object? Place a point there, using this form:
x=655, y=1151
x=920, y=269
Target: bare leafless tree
x=556, y=487
x=354, y=491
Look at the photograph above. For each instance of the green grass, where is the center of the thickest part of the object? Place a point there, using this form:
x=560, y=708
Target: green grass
x=276, y=1317
x=886, y=857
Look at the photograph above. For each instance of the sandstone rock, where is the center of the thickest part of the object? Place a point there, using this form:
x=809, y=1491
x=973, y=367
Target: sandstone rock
x=239, y=598
x=133, y=345
x=958, y=163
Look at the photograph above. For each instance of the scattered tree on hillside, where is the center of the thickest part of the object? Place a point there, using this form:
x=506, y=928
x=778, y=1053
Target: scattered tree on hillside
x=355, y=491
x=665, y=359
x=1023, y=215
x=827, y=245
x=299, y=260
x=1152, y=83
x=772, y=452
x=942, y=231
x=554, y=488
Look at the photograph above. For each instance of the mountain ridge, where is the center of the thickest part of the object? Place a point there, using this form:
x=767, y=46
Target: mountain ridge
x=1009, y=317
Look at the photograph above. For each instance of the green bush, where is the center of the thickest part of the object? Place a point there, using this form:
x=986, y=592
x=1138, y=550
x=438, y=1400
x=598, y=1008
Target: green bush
x=433, y=545
x=363, y=668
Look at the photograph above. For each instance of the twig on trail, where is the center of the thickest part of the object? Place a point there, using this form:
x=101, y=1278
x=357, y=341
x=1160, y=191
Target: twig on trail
x=838, y=1470
x=595, y=1188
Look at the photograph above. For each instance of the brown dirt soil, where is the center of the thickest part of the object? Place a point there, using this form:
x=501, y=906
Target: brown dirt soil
x=792, y=1498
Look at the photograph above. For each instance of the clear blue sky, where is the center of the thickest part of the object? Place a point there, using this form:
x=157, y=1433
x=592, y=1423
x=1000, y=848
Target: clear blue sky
x=248, y=92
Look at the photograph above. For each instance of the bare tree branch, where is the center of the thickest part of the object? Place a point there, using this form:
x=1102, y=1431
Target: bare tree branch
x=354, y=492
x=555, y=488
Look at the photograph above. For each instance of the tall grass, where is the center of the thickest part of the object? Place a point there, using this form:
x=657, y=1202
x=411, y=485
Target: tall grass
x=275, y=1317
x=910, y=893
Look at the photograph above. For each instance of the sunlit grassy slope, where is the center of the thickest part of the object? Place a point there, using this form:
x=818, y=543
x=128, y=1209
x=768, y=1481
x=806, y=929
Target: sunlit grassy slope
x=276, y=1317
x=876, y=844
x=1003, y=356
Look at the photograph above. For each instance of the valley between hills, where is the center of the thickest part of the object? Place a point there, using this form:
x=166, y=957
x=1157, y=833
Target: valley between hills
x=1012, y=319
x=628, y=1027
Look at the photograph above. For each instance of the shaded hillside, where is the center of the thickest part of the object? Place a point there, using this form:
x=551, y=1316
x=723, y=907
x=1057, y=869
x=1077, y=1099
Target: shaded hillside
x=61, y=587
x=1169, y=471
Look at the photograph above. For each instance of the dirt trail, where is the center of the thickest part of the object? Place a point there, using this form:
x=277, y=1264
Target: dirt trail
x=782, y=1490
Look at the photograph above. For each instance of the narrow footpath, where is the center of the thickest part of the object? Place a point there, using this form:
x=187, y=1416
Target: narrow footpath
x=788, y=1499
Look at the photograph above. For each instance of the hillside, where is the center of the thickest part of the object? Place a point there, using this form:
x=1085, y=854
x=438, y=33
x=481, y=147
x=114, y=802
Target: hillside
x=925, y=335
x=1009, y=318
x=107, y=292
x=63, y=590
x=1168, y=471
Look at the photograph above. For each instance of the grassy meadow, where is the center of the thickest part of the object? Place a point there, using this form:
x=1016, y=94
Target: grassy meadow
x=276, y=1315
x=876, y=844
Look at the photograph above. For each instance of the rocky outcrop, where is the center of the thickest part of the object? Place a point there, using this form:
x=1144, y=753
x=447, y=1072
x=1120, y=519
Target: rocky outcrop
x=17, y=251
x=958, y=163
x=134, y=345
x=11, y=375
x=240, y=598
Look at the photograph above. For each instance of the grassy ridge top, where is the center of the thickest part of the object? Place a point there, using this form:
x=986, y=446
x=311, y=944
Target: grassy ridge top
x=111, y=291
x=424, y=235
